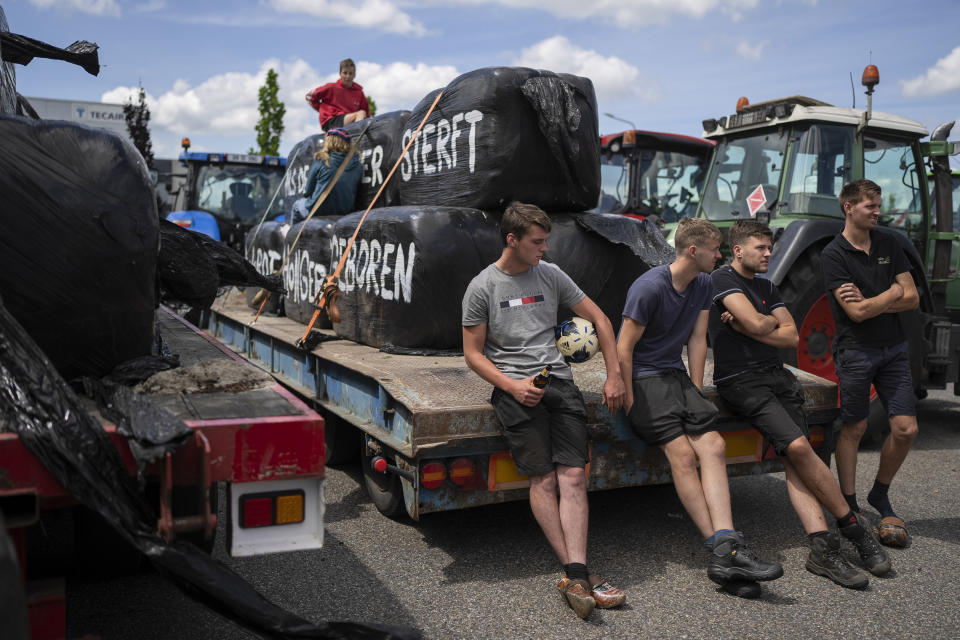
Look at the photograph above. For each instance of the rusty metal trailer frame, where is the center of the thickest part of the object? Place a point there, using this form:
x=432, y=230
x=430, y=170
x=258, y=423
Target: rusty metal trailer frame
x=428, y=408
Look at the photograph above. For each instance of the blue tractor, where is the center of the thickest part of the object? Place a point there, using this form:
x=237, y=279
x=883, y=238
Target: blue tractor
x=226, y=194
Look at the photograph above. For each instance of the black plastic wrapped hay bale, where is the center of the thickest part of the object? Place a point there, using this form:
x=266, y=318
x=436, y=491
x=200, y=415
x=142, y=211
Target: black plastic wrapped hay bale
x=298, y=164
x=264, y=249
x=405, y=277
x=604, y=254
x=501, y=134
x=378, y=152
x=78, y=252
x=307, y=267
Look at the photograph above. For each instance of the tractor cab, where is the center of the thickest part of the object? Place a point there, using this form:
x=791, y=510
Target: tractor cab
x=651, y=174
x=225, y=194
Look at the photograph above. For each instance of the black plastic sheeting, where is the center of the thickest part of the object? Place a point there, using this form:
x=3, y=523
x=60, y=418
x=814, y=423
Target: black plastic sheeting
x=38, y=405
x=642, y=237
x=265, y=250
x=601, y=264
x=79, y=244
x=19, y=49
x=8, y=76
x=405, y=276
x=193, y=267
x=306, y=269
x=378, y=152
x=500, y=134
x=298, y=164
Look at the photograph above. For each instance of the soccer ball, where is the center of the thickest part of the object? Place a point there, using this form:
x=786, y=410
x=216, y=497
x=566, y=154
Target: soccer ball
x=577, y=339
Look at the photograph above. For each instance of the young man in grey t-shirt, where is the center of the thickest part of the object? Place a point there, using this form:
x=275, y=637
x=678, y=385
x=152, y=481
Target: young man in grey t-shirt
x=509, y=315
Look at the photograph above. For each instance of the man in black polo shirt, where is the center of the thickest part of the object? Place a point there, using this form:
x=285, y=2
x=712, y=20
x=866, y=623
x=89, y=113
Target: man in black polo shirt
x=748, y=323
x=868, y=281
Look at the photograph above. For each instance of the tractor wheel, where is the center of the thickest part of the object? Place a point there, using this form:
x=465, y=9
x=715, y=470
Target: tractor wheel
x=340, y=440
x=806, y=299
x=383, y=488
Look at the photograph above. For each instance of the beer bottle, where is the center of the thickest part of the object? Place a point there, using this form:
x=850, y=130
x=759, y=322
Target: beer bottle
x=540, y=380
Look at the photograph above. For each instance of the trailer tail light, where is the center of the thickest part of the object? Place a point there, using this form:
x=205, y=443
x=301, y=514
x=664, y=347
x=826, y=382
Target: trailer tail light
x=268, y=509
x=462, y=471
x=432, y=475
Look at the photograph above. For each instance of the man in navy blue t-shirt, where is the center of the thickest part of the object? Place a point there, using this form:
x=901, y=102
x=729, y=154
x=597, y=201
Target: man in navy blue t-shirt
x=666, y=308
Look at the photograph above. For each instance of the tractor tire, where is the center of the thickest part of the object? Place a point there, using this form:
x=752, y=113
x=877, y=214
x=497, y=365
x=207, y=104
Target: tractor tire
x=340, y=439
x=805, y=297
x=383, y=488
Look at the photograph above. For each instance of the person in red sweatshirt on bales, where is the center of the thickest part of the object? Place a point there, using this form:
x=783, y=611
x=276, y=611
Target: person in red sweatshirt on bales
x=342, y=102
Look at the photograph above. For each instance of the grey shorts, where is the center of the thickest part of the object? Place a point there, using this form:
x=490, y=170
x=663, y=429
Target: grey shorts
x=552, y=432
x=772, y=399
x=887, y=368
x=668, y=405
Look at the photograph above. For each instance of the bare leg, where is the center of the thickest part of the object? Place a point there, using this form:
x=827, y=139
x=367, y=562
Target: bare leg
x=848, y=441
x=804, y=502
x=816, y=477
x=356, y=116
x=711, y=450
x=903, y=430
x=574, y=511
x=686, y=482
x=546, y=510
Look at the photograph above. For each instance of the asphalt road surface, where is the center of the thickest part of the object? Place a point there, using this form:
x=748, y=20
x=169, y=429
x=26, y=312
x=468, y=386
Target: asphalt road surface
x=488, y=572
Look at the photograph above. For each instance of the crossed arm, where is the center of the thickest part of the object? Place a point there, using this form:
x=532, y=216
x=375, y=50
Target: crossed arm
x=900, y=296
x=776, y=329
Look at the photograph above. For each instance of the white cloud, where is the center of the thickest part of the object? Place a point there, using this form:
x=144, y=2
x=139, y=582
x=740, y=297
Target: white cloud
x=612, y=77
x=943, y=77
x=629, y=13
x=95, y=7
x=372, y=14
x=751, y=52
x=226, y=104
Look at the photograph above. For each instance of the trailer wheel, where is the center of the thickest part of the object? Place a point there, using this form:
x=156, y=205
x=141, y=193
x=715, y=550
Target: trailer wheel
x=340, y=440
x=804, y=294
x=383, y=488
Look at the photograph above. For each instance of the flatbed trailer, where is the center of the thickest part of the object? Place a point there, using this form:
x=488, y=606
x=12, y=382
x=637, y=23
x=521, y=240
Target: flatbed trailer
x=264, y=443
x=430, y=420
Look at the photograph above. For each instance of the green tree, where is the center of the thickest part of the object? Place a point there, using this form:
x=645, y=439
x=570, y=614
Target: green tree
x=270, y=125
x=373, y=107
x=138, y=118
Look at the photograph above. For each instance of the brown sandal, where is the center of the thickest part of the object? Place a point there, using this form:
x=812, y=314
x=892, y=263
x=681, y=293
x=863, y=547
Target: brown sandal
x=892, y=531
x=577, y=595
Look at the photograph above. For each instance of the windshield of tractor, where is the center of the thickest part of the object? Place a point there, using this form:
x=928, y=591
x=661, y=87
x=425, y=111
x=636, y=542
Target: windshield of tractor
x=238, y=193
x=892, y=164
x=614, y=184
x=740, y=166
x=670, y=183
x=820, y=164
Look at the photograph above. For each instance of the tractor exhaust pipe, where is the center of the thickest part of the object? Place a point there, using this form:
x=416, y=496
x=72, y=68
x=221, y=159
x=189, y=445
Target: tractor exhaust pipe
x=943, y=197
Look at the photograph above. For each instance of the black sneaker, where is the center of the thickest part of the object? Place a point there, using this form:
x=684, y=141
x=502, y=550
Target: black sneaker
x=826, y=559
x=874, y=558
x=732, y=560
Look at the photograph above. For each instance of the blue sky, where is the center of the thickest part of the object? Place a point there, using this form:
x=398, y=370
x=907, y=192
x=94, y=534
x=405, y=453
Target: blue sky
x=663, y=64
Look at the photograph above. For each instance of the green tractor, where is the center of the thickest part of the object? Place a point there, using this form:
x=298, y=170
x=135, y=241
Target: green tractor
x=784, y=162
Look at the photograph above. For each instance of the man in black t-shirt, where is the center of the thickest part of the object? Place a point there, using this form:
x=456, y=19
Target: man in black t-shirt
x=748, y=323
x=868, y=282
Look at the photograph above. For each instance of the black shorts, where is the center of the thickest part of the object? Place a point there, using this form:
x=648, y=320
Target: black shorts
x=887, y=368
x=668, y=405
x=336, y=122
x=772, y=399
x=552, y=432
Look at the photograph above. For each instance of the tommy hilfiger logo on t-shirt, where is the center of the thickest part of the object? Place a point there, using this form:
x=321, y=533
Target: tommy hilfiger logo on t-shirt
x=516, y=302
